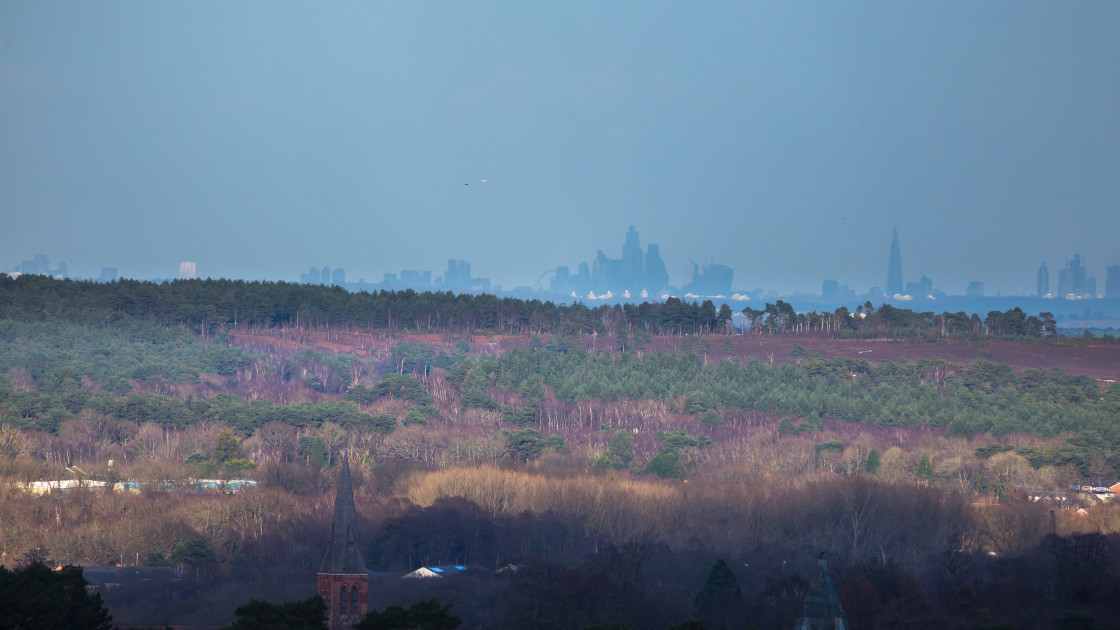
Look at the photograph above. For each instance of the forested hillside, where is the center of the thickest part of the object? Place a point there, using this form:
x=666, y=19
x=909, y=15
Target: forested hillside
x=628, y=447
x=208, y=305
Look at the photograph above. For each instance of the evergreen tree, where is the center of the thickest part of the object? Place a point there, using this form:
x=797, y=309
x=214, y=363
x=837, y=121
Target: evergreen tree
x=524, y=445
x=721, y=599
x=621, y=449
x=37, y=597
x=666, y=465
x=872, y=464
x=641, y=339
x=925, y=468
x=786, y=427
x=225, y=446
x=425, y=615
x=309, y=614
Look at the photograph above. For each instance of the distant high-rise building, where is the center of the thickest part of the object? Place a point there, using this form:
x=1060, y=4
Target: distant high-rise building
x=188, y=270
x=657, y=276
x=457, y=276
x=894, y=267
x=712, y=281
x=108, y=274
x=606, y=273
x=561, y=280
x=975, y=289
x=632, y=267
x=1071, y=280
x=1112, y=282
x=38, y=265
x=416, y=279
x=921, y=288
x=326, y=276
x=311, y=277
x=1043, y=280
x=832, y=288
x=584, y=275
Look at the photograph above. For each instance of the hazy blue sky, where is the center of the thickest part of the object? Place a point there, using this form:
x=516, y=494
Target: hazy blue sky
x=782, y=139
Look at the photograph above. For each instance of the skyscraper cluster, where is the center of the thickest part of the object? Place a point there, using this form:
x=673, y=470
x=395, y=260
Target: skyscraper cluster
x=326, y=275
x=1074, y=280
x=40, y=265
x=636, y=274
x=407, y=279
x=458, y=278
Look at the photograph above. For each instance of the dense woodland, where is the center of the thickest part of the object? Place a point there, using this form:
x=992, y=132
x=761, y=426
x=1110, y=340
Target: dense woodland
x=209, y=306
x=613, y=468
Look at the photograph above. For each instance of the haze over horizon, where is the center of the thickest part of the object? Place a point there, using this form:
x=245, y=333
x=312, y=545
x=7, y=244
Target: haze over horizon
x=785, y=141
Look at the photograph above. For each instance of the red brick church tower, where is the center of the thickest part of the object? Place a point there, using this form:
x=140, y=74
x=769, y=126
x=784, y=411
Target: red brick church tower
x=343, y=580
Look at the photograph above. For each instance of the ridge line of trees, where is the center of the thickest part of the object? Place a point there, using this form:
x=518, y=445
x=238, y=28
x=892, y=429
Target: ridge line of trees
x=211, y=306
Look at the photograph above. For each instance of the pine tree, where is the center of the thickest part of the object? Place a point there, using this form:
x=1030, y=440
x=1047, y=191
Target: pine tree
x=225, y=446
x=309, y=614
x=425, y=615
x=925, y=468
x=721, y=599
x=871, y=466
x=37, y=597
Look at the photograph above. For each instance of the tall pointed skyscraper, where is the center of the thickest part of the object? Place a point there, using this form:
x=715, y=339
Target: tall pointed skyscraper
x=894, y=267
x=632, y=267
x=822, y=609
x=343, y=580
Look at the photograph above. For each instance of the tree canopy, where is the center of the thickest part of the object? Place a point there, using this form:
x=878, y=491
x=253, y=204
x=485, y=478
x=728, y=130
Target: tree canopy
x=35, y=597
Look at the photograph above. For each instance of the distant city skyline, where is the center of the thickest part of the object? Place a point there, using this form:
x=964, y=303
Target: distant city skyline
x=1029, y=285
x=783, y=141
x=634, y=274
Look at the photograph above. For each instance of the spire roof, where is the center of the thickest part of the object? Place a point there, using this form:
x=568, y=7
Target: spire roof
x=894, y=267
x=822, y=605
x=343, y=554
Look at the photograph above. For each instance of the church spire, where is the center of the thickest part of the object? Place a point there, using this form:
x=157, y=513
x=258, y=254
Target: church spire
x=822, y=605
x=343, y=580
x=343, y=554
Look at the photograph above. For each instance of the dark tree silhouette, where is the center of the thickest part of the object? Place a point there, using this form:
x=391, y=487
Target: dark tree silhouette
x=309, y=614
x=425, y=615
x=37, y=597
